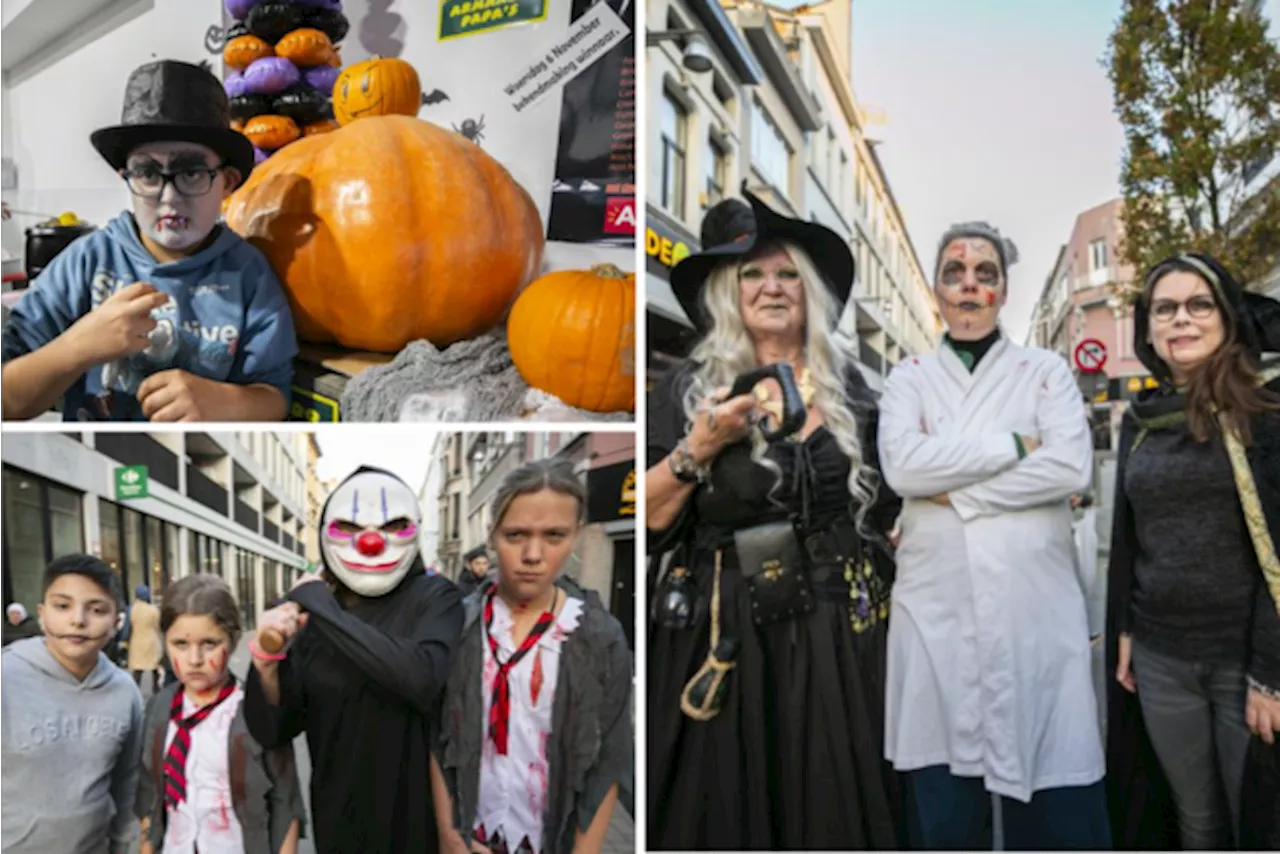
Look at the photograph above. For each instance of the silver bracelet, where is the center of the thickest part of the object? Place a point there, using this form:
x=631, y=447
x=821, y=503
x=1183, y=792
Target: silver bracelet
x=1270, y=693
x=683, y=465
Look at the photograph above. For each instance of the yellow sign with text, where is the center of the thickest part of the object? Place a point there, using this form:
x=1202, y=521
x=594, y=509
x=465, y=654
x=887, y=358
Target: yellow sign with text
x=668, y=252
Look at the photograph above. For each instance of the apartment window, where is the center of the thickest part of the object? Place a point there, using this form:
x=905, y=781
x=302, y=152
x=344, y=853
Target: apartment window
x=1098, y=254
x=673, y=125
x=830, y=177
x=769, y=150
x=717, y=166
x=457, y=512
x=842, y=177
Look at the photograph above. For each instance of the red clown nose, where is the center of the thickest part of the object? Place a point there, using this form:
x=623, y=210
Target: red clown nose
x=370, y=543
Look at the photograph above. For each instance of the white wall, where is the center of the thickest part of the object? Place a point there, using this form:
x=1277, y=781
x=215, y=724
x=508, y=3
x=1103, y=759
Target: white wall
x=49, y=113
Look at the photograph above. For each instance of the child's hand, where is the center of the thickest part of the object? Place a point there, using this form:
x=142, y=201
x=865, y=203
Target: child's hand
x=117, y=328
x=176, y=395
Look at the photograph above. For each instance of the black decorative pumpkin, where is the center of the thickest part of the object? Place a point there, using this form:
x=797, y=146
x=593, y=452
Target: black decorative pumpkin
x=239, y=28
x=331, y=22
x=273, y=21
x=302, y=104
x=244, y=107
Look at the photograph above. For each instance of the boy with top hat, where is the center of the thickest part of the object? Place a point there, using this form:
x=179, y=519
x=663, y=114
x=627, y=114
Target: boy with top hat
x=164, y=315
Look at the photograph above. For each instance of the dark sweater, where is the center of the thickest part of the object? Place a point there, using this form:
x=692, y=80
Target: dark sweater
x=1196, y=579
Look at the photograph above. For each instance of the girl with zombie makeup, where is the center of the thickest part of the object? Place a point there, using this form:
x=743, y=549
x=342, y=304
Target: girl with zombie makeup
x=1193, y=630
x=766, y=647
x=366, y=654
x=537, y=745
x=206, y=785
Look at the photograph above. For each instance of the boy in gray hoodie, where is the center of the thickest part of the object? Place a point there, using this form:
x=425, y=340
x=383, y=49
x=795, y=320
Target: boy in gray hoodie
x=70, y=722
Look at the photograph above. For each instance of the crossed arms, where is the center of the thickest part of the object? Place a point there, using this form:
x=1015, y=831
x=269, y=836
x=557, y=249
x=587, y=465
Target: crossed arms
x=981, y=473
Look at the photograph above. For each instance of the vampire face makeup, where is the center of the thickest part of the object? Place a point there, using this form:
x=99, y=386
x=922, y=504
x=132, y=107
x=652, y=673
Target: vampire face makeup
x=169, y=217
x=970, y=288
x=369, y=532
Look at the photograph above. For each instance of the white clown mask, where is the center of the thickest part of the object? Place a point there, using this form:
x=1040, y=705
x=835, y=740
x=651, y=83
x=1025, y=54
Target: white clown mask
x=369, y=532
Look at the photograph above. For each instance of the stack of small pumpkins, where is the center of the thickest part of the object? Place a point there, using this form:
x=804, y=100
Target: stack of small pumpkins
x=282, y=62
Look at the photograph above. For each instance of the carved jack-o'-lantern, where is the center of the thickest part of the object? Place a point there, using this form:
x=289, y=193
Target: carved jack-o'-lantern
x=376, y=87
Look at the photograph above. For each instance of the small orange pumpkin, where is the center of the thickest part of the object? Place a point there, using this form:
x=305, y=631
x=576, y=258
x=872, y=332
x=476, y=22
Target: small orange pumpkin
x=306, y=47
x=391, y=230
x=376, y=87
x=243, y=50
x=573, y=334
x=271, y=132
x=322, y=126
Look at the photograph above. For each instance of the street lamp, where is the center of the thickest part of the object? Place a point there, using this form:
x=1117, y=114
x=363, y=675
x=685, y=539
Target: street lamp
x=696, y=56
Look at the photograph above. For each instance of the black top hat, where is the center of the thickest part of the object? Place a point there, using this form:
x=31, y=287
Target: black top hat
x=170, y=101
x=829, y=251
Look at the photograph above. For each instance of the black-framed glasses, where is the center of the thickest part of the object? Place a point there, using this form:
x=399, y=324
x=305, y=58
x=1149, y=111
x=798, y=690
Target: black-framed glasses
x=1198, y=307
x=148, y=182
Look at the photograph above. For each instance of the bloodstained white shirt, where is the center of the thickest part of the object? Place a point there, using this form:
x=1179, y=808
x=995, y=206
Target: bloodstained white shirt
x=206, y=819
x=513, y=788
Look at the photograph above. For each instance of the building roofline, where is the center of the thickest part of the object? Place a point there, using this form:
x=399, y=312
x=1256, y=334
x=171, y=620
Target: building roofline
x=725, y=36
x=756, y=21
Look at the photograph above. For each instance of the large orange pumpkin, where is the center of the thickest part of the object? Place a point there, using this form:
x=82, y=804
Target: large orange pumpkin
x=573, y=334
x=390, y=230
x=376, y=87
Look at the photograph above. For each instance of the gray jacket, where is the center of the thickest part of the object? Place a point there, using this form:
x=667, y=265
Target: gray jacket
x=591, y=746
x=265, y=793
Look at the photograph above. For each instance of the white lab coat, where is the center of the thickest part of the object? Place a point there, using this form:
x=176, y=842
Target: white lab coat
x=989, y=662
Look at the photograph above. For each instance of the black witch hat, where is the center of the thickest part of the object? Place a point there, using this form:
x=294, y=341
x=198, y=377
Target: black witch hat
x=170, y=101
x=829, y=251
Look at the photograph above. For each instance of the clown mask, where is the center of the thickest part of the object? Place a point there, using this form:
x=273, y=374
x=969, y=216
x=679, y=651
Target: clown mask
x=369, y=532
x=971, y=287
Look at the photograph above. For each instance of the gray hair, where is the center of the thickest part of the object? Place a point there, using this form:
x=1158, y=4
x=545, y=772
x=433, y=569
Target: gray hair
x=1005, y=248
x=555, y=474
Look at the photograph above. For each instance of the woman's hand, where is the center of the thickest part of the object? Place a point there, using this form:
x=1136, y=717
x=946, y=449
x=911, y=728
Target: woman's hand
x=719, y=423
x=1124, y=673
x=1262, y=714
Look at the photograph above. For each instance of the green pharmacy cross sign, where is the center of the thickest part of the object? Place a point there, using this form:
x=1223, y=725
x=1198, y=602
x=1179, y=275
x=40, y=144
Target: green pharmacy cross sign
x=131, y=482
x=466, y=17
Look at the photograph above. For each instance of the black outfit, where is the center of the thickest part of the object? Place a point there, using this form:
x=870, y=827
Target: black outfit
x=971, y=352
x=28, y=627
x=365, y=683
x=1220, y=615
x=795, y=758
x=468, y=582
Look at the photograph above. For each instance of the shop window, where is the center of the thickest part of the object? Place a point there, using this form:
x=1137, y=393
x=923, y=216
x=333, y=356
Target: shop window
x=673, y=124
x=109, y=536
x=134, y=563
x=24, y=537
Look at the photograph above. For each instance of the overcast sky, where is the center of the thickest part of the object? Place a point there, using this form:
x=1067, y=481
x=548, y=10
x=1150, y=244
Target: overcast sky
x=997, y=110
x=404, y=451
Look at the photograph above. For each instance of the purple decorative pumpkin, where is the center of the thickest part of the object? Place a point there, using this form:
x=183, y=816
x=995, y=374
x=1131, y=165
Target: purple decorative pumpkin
x=235, y=84
x=239, y=9
x=322, y=77
x=270, y=75
x=259, y=156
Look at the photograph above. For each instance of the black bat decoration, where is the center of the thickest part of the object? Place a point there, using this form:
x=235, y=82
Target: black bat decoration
x=435, y=96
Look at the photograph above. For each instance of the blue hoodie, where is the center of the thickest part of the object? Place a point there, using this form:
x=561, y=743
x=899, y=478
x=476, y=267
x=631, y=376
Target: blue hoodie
x=227, y=319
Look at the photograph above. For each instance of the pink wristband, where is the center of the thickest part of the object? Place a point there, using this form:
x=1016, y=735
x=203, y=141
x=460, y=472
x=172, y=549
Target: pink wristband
x=263, y=656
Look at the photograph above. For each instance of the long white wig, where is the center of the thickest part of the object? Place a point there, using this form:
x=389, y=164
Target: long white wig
x=727, y=350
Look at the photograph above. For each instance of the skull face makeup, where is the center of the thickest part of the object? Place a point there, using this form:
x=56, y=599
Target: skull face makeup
x=971, y=287
x=369, y=532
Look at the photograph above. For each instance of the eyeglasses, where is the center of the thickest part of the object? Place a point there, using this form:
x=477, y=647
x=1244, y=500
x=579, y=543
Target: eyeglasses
x=149, y=182
x=1198, y=307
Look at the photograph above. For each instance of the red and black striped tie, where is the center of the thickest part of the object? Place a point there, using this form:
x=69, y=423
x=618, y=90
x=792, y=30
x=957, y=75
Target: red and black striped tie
x=500, y=707
x=175, y=761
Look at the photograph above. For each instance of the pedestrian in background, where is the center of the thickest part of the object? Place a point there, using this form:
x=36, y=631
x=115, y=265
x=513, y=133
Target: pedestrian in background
x=475, y=571
x=1194, y=582
x=146, y=647
x=19, y=624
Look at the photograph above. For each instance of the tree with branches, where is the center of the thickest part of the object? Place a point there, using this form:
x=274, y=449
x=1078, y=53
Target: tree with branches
x=1197, y=89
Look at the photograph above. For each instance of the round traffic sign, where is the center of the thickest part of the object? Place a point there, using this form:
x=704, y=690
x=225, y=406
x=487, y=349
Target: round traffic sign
x=1091, y=355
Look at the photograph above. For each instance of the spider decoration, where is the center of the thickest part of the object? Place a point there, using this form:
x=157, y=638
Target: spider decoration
x=472, y=129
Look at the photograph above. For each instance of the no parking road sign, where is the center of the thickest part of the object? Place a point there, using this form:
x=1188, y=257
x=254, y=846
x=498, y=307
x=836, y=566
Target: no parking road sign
x=1091, y=355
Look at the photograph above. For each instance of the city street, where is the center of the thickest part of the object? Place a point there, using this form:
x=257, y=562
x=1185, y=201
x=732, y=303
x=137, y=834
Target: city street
x=621, y=838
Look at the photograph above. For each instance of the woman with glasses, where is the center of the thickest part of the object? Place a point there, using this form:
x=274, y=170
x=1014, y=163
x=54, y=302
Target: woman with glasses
x=164, y=315
x=1193, y=630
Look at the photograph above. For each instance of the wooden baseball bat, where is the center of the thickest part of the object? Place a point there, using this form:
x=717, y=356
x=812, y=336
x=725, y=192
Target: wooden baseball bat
x=270, y=641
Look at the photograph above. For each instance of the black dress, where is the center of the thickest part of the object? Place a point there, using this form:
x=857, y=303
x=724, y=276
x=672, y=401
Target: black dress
x=365, y=683
x=795, y=759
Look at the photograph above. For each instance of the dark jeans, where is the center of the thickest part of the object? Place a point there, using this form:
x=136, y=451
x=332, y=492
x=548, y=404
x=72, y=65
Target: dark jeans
x=1195, y=715
x=955, y=814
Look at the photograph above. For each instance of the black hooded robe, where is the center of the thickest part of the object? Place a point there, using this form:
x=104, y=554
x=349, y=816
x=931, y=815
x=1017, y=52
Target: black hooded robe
x=365, y=683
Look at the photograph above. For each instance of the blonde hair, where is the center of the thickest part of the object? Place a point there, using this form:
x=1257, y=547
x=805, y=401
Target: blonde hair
x=534, y=476
x=727, y=350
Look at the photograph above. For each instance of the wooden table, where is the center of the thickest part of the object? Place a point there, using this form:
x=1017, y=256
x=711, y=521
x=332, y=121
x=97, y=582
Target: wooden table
x=321, y=374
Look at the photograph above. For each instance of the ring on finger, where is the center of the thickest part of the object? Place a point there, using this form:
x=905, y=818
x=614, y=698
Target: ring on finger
x=712, y=417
